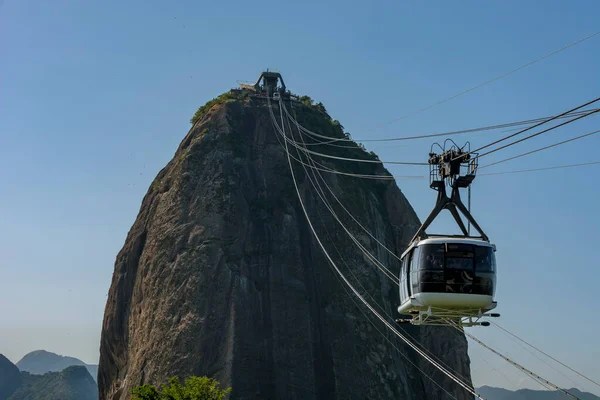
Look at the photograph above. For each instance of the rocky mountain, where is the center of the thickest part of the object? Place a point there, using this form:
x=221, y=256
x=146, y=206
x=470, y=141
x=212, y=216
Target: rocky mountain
x=72, y=383
x=41, y=361
x=10, y=378
x=492, y=393
x=220, y=274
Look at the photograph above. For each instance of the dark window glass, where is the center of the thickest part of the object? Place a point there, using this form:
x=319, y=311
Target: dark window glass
x=459, y=256
x=485, y=260
x=432, y=257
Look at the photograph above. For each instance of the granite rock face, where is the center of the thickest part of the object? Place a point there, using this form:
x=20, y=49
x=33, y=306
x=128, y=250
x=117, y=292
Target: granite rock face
x=220, y=274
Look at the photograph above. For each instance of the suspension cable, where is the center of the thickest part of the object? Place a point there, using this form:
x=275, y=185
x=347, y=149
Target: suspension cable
x=362, y=160
x=362, y=299
x=487, y=82
x=544, y=361
x=546, y=354
x=471, y=130
x=321, y=194
x=389, y=274
x=538, y=124
x=349, y=213
x=513, y=363
x=542, y=148
x=381, y=308
x=417, y=177
x=323, y=168
x=538, y=133
x=328, y=206
x=296, y=144
x=540, y=169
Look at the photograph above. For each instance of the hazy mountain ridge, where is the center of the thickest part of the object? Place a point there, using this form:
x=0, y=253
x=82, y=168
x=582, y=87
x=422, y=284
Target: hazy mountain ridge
x=39, y=362
x=493, y=393
x=72, y=383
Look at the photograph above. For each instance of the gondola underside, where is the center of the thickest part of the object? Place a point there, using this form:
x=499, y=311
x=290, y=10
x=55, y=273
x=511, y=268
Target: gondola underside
x=446, y=309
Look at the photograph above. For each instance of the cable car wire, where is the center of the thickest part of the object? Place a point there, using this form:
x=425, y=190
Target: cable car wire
x=546, y=354
x=540, y=169
x=386, y=338
x=296, y=144
x=420, y=177
x=514, y=386
x=354, y=289
x=329, y=207
x=363, y=249
x=362, y=160
x=543, y=360
x=389, y=274
x=382, y=309
x=538, y=133
x=487, y=82
x=321, y=194
x=353, y=143
x=513, y=363
x=278, y=130
x=540, y=123
x=362, y=299
x=345, y=209
x=471, y=130
x=541, y=148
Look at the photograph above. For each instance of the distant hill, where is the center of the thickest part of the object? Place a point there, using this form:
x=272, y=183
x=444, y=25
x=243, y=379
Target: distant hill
x=41, y=361
x=492, y=393
x=72, y=383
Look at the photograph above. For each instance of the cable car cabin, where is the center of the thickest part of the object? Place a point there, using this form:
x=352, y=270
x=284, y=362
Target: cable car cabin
x=446, y=279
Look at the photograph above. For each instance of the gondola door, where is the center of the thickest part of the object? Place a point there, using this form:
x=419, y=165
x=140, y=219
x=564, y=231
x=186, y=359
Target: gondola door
x=459, y=268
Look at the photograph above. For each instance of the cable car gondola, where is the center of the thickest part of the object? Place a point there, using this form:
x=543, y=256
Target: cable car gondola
x=448, y=279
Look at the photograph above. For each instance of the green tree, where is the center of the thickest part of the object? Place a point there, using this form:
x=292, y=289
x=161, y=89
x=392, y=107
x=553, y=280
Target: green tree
x=145, y=392
x=306, y=100
x=194, y=388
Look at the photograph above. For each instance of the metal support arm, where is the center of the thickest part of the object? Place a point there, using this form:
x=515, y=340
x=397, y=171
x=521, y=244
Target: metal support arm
x=450, y=203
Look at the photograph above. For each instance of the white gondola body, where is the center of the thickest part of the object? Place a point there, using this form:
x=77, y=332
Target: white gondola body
x=447, y=278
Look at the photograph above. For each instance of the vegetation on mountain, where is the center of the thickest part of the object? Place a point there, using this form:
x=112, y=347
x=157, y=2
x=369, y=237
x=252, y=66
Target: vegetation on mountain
x=72, y=383
x=194, y=388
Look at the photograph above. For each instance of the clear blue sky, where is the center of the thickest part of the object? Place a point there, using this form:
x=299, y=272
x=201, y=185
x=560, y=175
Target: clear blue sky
x=96, y=96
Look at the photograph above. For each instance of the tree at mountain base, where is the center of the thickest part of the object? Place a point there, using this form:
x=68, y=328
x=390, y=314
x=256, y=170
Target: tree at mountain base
x=194, y=388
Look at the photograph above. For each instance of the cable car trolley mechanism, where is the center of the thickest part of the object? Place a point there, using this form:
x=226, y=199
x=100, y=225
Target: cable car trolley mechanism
x=448, y=279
